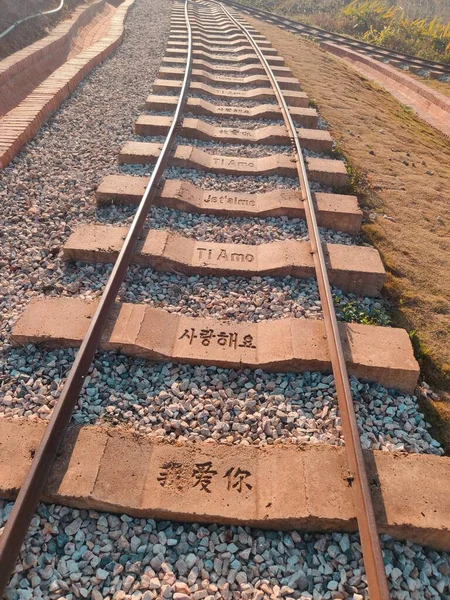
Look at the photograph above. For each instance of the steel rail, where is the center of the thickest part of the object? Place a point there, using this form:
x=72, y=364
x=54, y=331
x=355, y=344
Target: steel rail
x=370, y=542
x=31, y=490
x=349, y=42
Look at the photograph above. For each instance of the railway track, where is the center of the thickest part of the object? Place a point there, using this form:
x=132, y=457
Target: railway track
x=225, y=107
x=398, y=59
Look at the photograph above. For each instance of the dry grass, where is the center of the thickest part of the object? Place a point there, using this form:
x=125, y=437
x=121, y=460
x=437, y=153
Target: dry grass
x=414, y=9
x=417, y=9
x=402, y=167
x=417, y=27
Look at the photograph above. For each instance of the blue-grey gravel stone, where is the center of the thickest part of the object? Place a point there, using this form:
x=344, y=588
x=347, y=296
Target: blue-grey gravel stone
x=198, y=565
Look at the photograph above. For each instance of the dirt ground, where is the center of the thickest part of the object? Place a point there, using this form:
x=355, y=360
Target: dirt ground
x=400, y=168
x=29, y=32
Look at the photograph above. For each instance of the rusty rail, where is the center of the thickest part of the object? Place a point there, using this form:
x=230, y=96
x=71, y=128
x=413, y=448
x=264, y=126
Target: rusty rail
x=370, y=542
x=31, y=490
x=26, y=502
x=344, y=40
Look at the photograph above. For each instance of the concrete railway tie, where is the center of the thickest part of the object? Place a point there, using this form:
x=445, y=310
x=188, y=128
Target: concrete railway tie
x=325, y=171
x=118, y=471
x=105, y=470
x=333, y=210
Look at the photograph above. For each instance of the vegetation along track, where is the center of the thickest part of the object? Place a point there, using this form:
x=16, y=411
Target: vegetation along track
x=434, y=69
x=242, y=143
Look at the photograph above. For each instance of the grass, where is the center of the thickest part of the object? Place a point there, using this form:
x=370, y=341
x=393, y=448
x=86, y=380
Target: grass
x=399, y=167
x=406, y=109
x=414, y=9
x=438, y=416
x=354, y=311
x=381, y=23
x=413, y=27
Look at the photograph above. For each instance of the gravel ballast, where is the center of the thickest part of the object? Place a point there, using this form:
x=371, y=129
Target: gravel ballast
x=233, y=101
x=73, y=553
x=181, y=402
x=70, y=554
x=206, y=180
x=50, y=185
x=246, y=150
x=236, y=122
x=240, y=299
x=238, y=230
x=37, y=218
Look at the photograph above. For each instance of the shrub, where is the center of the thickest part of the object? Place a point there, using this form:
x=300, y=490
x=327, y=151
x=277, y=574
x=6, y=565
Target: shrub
x=379, y=23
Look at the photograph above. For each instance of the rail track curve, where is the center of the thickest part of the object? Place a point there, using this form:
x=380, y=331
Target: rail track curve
x=435, y=68
x=218, y=67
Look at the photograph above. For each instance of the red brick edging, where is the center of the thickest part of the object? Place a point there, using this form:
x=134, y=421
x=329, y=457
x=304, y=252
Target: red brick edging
x=22, y=123
x=13, y=64
x=439, y=104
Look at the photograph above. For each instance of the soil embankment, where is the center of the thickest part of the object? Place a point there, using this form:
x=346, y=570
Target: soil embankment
x=401, y=168
x=34, y=29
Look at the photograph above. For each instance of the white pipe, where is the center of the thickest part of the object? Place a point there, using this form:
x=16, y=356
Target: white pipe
x=47, y=12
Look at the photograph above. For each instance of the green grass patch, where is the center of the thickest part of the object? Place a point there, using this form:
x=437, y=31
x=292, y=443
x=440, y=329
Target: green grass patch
x=356, y=311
